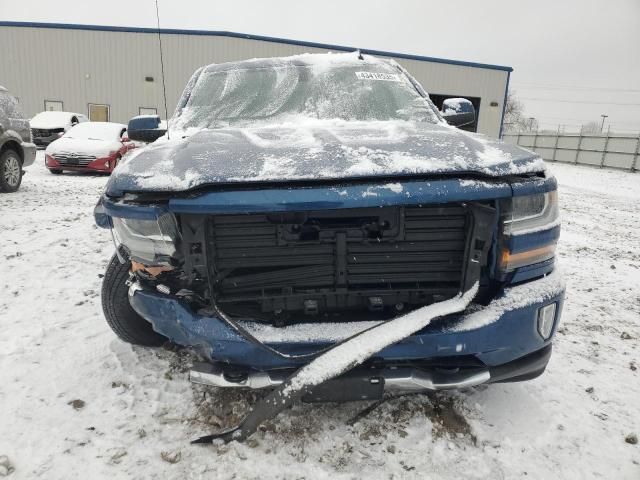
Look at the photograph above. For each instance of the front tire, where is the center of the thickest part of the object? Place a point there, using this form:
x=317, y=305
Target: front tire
x=121, y=317
x=10, y=171
x=55, y=171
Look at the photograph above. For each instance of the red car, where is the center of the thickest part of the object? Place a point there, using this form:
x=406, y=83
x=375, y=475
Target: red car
x=89, y=147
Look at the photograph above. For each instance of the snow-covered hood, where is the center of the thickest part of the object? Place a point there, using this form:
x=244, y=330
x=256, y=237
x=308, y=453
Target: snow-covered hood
x=97, y=148
x=48, y=120
x=322, y=150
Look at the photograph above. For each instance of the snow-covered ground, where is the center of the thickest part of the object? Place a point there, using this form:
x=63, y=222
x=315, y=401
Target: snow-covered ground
x=75, y=402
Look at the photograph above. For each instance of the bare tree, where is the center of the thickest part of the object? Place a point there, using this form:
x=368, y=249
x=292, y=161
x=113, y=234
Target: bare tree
x=514, y=117
x=591, y=128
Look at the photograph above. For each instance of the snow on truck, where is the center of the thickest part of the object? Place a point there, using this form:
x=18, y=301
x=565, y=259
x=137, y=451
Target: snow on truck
x=313, y=225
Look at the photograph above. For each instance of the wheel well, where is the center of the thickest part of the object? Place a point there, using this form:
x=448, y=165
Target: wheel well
x=15, y=146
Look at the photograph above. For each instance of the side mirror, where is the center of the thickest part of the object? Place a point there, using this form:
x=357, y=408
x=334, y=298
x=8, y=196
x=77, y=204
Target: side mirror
x=458, y=112
x=145, y=128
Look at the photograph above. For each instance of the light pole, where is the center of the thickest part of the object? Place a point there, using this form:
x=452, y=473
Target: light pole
x=602, y=125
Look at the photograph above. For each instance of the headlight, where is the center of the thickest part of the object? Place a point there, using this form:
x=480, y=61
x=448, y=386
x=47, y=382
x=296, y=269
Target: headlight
x=529, y=215
x=151, y=242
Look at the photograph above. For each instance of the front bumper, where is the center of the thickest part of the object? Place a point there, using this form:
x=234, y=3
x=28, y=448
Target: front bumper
x=370, y=382
x=28, y=153
x=496, y=334
x=43, y=142
x=103, y=165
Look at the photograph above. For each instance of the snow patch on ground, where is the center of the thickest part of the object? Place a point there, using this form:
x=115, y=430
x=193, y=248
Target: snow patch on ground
x=140, y=411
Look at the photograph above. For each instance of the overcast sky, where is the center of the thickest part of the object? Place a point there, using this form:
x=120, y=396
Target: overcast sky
x=573, y=60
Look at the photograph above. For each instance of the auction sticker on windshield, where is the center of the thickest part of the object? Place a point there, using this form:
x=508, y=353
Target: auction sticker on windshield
x=389, y=77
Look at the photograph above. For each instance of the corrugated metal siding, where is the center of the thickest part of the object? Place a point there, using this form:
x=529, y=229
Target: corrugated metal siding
x=80, y=67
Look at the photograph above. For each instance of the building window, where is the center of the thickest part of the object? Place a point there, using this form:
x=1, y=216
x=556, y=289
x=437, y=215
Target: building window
x=53, y=106
x=437, y=99
x=98, y=113
x=147, y=111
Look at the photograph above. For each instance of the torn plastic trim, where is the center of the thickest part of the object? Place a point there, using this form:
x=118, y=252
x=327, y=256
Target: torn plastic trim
x=339, y=359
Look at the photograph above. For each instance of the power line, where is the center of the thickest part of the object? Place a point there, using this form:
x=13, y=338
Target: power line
x=579, y=101
x=568, y=120
x=534, y=86
x=551, y=117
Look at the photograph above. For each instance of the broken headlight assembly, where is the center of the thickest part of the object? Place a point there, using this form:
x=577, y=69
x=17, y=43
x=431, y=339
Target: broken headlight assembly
x=152, y=242
x=528, y=215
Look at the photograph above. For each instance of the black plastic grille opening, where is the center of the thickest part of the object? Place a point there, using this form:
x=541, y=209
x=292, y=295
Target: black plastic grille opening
x=406, y=256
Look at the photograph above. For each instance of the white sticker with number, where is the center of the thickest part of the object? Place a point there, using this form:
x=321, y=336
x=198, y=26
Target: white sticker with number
x=389, y=77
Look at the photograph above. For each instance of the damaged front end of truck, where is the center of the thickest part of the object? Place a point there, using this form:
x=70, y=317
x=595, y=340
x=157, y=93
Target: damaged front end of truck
x=335, y=261
x=274, y=269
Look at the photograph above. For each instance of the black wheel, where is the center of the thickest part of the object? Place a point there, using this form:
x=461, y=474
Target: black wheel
x=123, y=320
x=55, y=171
x=10, y=171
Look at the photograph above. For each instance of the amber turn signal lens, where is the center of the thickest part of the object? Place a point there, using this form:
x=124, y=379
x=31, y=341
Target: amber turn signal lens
x=510, y=261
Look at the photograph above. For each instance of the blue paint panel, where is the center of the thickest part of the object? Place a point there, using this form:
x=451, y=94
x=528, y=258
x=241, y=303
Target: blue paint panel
x=521, y=243
x=513, y=335
x=173, y=31
x=529, y=272
x=348, y=196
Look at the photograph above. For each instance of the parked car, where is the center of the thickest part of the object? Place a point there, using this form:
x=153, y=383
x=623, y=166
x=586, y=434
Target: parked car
x=295, y=202
x=47, y=127
x=89, y=147
x=16, y=149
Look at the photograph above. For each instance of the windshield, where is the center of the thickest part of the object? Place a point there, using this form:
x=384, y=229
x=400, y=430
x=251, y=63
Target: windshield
x=361, y=91
x=96, y=131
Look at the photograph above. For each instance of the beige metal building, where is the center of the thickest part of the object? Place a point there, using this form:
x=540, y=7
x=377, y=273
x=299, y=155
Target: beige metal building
x=114, y=73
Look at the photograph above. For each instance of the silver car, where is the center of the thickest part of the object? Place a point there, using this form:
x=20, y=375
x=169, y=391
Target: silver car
x=16, y=149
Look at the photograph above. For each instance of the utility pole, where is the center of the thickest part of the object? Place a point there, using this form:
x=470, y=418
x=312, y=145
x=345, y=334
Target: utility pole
x=602, y=126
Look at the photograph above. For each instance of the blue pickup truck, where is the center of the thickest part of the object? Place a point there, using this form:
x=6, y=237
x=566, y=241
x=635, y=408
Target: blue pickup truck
x=296, y=202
